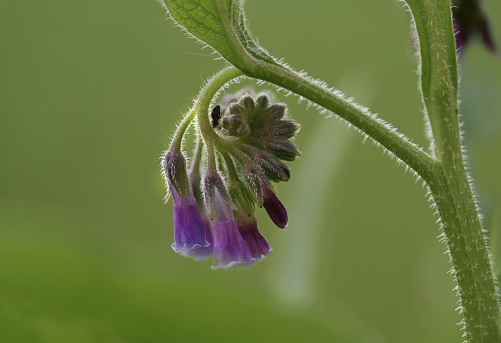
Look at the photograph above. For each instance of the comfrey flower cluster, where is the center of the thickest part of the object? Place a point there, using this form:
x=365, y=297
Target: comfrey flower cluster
x=214, y=215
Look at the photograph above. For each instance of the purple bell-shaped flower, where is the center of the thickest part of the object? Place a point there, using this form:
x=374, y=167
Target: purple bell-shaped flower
x=189, y=230
x=230, y=248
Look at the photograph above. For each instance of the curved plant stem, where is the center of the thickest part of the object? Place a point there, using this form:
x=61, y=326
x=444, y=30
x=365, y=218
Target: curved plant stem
x=197, y=158
x=259, y=68
x=445, y=174
x=177, y=140
x=202, y=108
x=446, y=177
x=361, y=118
x=443, y=169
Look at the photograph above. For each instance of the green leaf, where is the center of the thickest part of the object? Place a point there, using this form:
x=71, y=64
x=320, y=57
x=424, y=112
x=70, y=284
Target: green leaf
x=255, y=50
x=221, y=25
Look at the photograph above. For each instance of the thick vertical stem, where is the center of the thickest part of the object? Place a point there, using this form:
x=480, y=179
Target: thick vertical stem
x=450, y=186
x=469, y=254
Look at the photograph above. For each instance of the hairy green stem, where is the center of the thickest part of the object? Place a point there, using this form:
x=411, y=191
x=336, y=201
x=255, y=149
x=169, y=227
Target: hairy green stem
x=197, y=158
x=451, y=189
x=448, y=182
x=375, y=128
x=445, y=173
x=177, y=140
x=286, y=78
x=202, y=107
x=443, y=170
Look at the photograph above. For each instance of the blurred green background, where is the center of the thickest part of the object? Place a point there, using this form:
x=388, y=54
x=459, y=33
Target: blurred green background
x=90, y=92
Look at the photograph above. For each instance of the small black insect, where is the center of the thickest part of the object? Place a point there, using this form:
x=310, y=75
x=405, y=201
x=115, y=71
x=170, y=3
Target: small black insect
x=216, y=115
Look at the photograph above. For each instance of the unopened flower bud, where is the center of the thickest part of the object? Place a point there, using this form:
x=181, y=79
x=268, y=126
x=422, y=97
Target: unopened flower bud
x=247, y=102
x=272, y=167
x=286, y=128
x=235, y=125
x=236, y=108
x=262, y=103
x=276, y=210
x=275, y=112
x=281, y=147
x=255, y=178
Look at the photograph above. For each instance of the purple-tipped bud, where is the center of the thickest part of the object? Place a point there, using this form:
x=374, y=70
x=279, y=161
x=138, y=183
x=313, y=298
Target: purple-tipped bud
x=276, y=210
x=236, y=108
x=274, y=112
x=262, y=103
x=272, y=167
x=235, y=125
x=286, y=128
x=189, y=230
x=230, y=248
x=235, y=119
x=247, y=102
x=281, y=147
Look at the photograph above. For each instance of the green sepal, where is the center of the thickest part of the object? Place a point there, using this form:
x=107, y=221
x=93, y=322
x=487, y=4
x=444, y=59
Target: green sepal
x=242, y=198
x=176, y=175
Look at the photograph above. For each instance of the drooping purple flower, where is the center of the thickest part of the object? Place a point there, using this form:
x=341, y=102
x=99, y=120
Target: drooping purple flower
x=230, y=248
x=256, y=243
x=202, y=253
x=189, y=229
x=247, y=223
x=276, y=210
